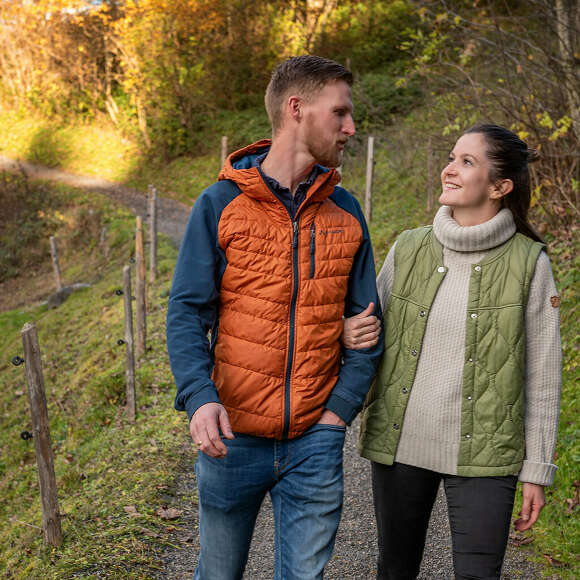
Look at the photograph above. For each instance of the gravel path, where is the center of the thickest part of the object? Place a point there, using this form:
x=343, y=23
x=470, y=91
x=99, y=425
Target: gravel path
x=355, y=552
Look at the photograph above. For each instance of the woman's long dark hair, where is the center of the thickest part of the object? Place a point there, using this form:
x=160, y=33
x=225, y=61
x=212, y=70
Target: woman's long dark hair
x=509, y=157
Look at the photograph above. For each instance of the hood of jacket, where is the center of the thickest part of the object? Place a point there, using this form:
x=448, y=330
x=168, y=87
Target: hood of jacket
x=240, y=167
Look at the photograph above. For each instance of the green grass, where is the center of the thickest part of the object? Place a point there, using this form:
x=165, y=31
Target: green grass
x=103, y=464
x=98, y=149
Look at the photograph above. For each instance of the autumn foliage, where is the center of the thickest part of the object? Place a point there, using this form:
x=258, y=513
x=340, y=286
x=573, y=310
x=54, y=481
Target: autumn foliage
x=163, y=69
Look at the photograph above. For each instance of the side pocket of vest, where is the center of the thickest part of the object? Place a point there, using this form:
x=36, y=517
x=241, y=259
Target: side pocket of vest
x=312, y=249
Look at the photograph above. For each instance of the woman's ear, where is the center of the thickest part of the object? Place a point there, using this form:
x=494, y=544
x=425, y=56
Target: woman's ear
x=501, y=188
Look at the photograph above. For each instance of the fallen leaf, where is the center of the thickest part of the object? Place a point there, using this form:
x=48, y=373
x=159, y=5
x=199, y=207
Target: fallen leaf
x=553, y=562
x=572, y=503
x=132, y=511
x=148, y=532
x=517, y=539
x=168, y=513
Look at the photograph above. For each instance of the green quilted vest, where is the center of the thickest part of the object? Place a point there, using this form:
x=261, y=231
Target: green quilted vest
x=492, y=427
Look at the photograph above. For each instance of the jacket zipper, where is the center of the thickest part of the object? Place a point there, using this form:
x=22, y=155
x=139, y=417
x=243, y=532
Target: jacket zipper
x=292, y=329
x=312, y=249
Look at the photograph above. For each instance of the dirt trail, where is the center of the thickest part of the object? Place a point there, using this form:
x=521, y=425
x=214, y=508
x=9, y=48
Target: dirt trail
x=355, y=553
x=172, y=215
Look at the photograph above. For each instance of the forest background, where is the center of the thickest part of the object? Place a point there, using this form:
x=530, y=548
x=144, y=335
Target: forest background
x=141, y=92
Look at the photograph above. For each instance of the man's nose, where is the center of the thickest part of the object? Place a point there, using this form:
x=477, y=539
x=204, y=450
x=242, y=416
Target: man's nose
x=348, y=126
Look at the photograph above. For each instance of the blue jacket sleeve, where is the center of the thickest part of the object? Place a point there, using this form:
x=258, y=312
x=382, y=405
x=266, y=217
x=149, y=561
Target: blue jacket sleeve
x=193, y=308
x=359, y=366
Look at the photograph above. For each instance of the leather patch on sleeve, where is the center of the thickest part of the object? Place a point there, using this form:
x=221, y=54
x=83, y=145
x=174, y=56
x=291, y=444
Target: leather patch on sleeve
x=555, y=300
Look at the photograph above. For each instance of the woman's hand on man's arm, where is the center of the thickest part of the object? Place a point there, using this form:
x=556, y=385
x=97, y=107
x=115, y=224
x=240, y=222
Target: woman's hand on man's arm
x=361, y=331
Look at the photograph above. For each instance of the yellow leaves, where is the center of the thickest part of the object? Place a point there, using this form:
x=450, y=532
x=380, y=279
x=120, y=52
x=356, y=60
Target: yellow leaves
x=560, y=127
x=523, y=135
x=563, y=125
x=535, y=197
x=545, y=120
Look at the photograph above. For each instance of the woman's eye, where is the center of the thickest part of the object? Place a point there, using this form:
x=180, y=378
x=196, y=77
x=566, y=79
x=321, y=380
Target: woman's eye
x=449, y=159
x=467, y=162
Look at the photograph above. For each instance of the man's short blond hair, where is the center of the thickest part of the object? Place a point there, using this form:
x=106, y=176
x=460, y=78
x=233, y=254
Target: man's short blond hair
x=304, y=76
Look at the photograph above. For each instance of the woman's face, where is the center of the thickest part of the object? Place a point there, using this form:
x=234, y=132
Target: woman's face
x=465, y=179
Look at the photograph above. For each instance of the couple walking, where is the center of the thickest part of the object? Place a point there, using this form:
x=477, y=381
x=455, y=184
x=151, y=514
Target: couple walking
x=276, y=263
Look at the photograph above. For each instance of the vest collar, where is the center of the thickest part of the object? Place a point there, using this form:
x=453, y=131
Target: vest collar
x=491, y=234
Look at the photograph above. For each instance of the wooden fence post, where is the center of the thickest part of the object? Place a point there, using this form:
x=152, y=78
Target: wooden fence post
x=140, y=291
x=55, y=264
x=429, y=174
x=44, y=453
x=369, y=181
x=130, y=368
x=152, y=233
x=224, y=153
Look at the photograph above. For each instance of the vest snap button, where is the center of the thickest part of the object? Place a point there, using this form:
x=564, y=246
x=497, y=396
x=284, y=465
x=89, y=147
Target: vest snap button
x=422, y=313
x=477, y=268
x=470, y=360
x=396, y=426
x=414, y=352
x=441, y=269
x=469, y=399
x=404, y=390
x=468, y=436
x=473, y=315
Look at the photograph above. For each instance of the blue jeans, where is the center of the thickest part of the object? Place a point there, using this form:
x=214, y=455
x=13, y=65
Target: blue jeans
x=304, y=479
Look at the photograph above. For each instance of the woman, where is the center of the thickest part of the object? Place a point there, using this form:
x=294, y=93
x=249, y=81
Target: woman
x=469, y=385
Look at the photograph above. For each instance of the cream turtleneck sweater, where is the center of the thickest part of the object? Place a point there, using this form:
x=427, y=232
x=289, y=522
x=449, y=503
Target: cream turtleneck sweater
x=431, y=428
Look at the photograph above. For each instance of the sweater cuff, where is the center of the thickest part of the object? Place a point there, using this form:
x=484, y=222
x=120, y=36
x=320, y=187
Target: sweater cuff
x=342, y=408
x=539, y=473
x=194, y=402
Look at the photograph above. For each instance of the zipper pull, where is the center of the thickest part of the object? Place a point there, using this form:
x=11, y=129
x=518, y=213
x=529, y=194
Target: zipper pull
x=295, y=241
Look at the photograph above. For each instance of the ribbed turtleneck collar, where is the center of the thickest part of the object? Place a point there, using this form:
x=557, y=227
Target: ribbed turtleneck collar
x=496, y=231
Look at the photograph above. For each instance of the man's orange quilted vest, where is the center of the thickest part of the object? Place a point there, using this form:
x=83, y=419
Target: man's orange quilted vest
x=277, y=354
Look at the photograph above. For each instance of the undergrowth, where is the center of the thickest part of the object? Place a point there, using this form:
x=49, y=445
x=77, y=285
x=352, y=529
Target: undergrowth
x=112, y=476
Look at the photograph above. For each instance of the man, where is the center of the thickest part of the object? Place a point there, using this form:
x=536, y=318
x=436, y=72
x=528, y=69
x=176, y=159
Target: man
x=273, y=256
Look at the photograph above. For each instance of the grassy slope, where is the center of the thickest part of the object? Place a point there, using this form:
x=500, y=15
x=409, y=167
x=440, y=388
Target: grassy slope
x=397, y=206
x=102, y=463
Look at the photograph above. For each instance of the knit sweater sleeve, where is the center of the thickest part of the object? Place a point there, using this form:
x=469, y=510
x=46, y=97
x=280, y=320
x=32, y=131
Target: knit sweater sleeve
x=543, y=376
x=386, y=278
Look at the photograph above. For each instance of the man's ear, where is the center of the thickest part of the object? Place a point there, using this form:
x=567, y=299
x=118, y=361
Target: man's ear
x=501, y=188
x=294, y=107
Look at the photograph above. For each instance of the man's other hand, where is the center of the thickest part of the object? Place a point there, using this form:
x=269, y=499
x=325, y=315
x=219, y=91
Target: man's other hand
x=205, y=427
x=330, y=418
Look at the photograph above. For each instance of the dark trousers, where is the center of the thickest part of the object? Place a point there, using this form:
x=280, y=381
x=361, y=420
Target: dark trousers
x=480, y=511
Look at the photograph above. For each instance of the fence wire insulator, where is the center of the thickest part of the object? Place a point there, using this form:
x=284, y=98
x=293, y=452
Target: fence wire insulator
x=26, y=435
x=119, y=292
x=131, y=260
x=17, y=361
x=120, y=342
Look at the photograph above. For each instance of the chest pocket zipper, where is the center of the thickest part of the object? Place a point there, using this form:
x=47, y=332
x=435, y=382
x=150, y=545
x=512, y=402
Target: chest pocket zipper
x=312, y=249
